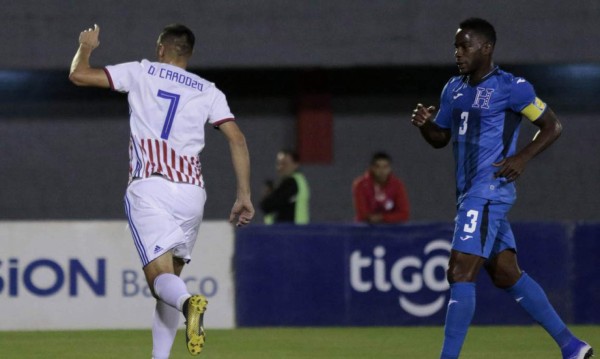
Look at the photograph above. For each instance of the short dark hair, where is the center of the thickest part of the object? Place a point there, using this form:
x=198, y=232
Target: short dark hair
x=380, y=156
x=480, y=26
x=180, y=37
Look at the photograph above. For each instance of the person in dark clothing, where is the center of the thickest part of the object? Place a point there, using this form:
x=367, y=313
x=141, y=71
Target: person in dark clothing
x=289, y=200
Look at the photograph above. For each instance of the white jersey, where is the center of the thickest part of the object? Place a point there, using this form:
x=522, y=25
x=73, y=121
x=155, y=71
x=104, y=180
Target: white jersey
x=169, y=108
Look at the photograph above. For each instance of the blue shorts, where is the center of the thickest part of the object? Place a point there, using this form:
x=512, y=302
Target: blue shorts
x=482, y=228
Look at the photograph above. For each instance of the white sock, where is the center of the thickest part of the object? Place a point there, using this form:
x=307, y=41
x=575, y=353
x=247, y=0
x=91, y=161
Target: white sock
x=164, y=329
x=171, y=289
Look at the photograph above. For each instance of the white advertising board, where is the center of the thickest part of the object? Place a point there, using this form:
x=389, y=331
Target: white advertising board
x=87, y=275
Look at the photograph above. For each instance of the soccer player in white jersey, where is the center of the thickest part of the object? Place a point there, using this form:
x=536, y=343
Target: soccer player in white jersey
x=165, y=197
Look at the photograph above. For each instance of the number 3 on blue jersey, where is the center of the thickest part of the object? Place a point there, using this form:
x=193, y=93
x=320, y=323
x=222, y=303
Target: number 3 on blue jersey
x=464, y=116
x=174, y=101
x=471, y=227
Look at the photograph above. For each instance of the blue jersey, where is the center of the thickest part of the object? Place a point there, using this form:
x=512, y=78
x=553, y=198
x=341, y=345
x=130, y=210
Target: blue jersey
x=484, y=120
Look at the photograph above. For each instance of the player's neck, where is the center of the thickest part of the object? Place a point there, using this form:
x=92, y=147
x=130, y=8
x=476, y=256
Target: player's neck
x=174, y=62
x=178, y=64
x=481, y=73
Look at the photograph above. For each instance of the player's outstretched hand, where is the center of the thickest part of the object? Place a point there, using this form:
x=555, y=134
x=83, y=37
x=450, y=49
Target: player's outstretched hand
x=422, y=114
x=243, y=211
x=89, y=37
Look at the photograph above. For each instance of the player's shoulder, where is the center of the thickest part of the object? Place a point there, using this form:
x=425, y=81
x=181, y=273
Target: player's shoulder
x=207, y=83
x=455, y=82
x=512, y=80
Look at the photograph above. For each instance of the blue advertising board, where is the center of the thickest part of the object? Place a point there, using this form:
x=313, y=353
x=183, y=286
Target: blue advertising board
x=351, y=274
x=586, y=273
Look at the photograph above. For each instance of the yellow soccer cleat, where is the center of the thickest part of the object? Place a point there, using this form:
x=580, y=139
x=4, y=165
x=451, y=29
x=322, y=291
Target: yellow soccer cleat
x=194, y=325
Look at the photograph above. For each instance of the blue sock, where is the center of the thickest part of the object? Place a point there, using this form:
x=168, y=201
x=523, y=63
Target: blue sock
x=532, y=298
x=461, y=307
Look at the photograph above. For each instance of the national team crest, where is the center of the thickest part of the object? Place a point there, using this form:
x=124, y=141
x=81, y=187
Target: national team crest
x=482, y=100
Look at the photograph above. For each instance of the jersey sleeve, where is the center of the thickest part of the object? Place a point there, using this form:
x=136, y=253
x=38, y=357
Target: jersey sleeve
x=444, y=115
x=524, y=100
x=123, y=76
x=219, y=112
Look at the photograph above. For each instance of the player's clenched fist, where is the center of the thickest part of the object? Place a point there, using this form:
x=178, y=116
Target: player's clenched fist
x=422, y=114
x=89, y=37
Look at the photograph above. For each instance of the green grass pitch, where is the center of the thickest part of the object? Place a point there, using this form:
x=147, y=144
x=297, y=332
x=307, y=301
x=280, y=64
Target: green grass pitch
x=488, y=342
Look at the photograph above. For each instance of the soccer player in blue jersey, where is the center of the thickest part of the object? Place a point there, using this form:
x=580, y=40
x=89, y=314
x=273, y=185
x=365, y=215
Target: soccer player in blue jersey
x=481, y=111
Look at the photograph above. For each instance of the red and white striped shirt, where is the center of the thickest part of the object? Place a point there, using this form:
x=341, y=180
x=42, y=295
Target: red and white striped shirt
x=169, y=108
x=153, y=156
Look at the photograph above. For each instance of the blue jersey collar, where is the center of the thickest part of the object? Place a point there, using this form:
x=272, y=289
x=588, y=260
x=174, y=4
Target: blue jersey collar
x=494, y=71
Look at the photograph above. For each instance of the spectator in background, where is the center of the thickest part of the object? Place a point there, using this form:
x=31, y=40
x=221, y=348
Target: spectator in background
x=378, y=195
x=289, y=200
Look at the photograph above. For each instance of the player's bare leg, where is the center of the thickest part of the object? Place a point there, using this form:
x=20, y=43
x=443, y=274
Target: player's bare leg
x=503, y=269
x=464, y=267
x=160, y=265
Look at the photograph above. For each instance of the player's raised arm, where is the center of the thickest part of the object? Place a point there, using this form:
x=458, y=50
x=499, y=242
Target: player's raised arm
x=242, y=210
x=82, y=74
x=434, y=135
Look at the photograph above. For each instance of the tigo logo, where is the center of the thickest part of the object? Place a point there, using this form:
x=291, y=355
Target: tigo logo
x=421, y=270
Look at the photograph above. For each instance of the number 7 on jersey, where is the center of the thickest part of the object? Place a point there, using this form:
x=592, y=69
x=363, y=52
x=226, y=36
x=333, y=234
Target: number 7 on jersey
x=174, y=101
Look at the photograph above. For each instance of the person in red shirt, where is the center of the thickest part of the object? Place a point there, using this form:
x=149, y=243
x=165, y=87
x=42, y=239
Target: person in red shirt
x=378, y=195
